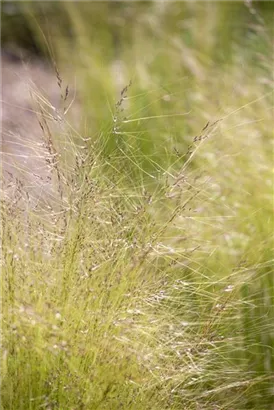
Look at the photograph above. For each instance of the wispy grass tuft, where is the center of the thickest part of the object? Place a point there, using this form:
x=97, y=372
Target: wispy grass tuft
x=141, y=275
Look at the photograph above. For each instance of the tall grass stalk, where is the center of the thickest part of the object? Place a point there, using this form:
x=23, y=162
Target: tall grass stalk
x=144, y=278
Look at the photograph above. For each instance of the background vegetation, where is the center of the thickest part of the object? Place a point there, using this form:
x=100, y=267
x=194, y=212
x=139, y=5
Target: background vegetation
x=144, y=280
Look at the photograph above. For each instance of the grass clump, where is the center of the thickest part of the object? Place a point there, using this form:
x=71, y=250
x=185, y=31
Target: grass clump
x=138, y=268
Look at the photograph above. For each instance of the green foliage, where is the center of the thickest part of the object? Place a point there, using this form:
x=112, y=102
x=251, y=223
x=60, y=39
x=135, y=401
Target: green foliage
x=145, y=281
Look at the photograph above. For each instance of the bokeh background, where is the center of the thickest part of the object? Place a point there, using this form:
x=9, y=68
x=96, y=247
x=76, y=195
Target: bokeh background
x=137, y=148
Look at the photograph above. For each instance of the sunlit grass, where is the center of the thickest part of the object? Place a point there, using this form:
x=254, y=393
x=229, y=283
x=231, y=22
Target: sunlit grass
x=145, y=280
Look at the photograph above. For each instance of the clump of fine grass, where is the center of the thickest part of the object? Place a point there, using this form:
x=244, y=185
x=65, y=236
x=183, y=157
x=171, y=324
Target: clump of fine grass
x=145, y=280
x=77, y=279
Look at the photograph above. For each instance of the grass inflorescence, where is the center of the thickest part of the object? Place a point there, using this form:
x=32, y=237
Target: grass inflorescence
x=137, y=258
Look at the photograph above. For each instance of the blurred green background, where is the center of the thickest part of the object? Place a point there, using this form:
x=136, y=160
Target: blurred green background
x=174, y=114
